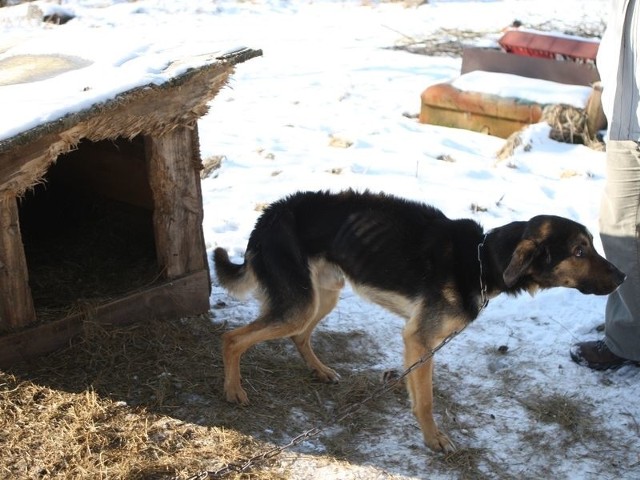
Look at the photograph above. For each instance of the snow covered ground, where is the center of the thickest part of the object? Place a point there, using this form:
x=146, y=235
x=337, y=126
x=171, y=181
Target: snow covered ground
x=329, y=78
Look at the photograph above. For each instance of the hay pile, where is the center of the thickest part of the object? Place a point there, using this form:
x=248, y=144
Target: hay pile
x=102, y=409
x=570, y=125
x=48, y=433
x=145, y=402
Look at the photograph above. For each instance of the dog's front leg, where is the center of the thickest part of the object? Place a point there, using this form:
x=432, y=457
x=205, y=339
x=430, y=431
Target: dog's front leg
x=420, y=387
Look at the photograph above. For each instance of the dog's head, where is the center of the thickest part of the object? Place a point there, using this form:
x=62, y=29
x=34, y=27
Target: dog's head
x=558, y=252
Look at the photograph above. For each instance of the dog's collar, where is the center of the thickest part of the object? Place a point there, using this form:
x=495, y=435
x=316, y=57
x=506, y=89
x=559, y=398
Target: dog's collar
x=484, y=299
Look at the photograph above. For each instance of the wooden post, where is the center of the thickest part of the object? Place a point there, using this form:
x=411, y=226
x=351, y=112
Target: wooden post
x=16, y=303
x=174, y=166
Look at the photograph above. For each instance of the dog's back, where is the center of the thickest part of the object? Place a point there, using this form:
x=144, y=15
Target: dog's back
x=378, y=240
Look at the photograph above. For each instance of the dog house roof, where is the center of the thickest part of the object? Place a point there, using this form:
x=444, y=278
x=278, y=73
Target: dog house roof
x=61, y=87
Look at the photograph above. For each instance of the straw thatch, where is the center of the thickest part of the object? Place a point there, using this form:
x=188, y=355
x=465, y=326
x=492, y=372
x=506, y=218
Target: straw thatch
x=149, y=110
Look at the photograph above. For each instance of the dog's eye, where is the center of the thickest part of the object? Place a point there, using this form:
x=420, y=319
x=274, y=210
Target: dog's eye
x=578, y=252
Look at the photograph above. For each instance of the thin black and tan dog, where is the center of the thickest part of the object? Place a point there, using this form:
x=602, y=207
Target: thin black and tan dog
x=406, y=256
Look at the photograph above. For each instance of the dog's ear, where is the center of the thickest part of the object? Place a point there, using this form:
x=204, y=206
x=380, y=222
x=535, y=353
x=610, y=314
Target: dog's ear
x=521, y=258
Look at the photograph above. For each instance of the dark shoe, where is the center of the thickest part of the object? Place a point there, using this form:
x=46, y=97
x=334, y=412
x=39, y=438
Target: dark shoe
x=597, y=356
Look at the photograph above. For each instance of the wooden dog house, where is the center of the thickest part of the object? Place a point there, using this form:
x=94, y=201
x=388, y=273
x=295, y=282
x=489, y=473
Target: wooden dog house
x=106, y=196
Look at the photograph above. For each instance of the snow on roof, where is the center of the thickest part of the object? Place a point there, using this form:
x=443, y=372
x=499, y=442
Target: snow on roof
x=58, y=72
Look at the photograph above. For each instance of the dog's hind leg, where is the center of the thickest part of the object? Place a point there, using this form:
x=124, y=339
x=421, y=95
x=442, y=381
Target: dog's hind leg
x=327, y=300
x=289, y=282
x=420, y=384
x=238, y=341
x=327, y=280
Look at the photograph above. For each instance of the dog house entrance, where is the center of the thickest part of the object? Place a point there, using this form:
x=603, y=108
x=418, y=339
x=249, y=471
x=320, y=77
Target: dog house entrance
x=88, y=228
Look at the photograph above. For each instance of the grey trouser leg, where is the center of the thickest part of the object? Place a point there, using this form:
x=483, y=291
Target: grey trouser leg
x=620, y=234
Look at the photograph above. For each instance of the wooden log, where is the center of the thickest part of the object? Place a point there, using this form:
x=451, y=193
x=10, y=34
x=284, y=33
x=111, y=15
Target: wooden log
x=174, y=165
x=16, y=303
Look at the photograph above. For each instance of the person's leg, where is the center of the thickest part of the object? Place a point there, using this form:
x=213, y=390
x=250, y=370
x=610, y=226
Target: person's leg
x=620, y=234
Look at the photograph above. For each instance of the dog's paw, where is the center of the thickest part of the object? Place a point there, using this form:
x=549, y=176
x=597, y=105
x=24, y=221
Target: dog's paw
x=237, y=395
x=440, y=443
x=327, y=375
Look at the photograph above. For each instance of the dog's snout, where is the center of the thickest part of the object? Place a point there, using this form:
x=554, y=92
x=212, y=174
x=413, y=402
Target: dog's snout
x=618, y=275
x=615, y=277
x=603, y=280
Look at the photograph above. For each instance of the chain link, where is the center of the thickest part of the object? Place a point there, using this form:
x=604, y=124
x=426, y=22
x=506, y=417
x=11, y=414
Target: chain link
x=484, y=299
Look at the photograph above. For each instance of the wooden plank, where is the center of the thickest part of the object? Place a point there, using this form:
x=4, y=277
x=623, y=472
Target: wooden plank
x=178, y=298
x=491, y=60
x=173, y=166
x=16, y=303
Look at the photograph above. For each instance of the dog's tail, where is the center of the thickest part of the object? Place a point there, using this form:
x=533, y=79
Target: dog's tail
x=237, y=279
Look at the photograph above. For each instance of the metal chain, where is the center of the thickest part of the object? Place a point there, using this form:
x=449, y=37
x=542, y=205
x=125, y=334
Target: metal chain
x=240, y=467
x=484, y=299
